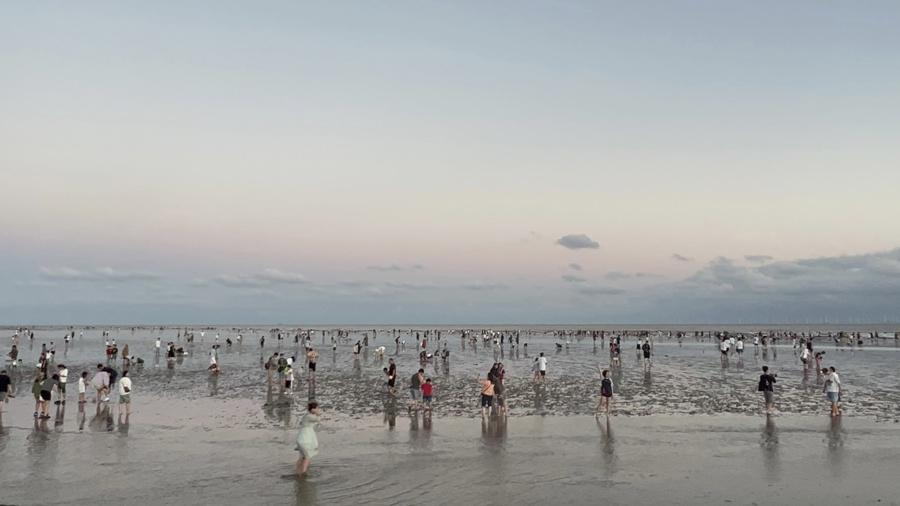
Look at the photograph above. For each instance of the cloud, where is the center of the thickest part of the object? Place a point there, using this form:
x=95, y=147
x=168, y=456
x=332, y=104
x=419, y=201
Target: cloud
x=277, y=276
x=619, y=275
x=600, y=290
x=396, y=268
x=681, y=258
x=758, y=259
x=268, y=277
x=568, y=278
x=483, y=285
x=861, y=287
x=575, y=267
x=236, y=281
x=99, y=274
x=410, y=286
x=577, y=241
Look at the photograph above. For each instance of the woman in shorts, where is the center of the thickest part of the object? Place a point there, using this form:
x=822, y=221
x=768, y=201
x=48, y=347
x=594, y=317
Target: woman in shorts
x=125, y=393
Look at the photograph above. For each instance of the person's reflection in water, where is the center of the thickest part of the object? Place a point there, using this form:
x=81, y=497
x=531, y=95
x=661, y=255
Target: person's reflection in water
x=540, y=397
x=99, y=418
x=60, y=417
x=390, y=411
x=768, y=443
x=648, y=381
x=608, y=442
x=305, y=490
x=124, y=424
x=213, y=383
x=311, y=391
x=82, y=417
x=836, y=446
x=493, y=432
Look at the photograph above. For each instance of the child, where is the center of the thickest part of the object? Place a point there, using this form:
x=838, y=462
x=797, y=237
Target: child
x=427, y=390
x=82, y=387
x=606, y=392
x=288, y=377
x=307, y=442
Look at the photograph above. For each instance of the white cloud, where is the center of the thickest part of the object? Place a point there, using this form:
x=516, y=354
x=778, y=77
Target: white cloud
x=98, y=274
x=681, y=258
x=396, y=268
x=758, y=259
x=277, y=276
x=568, y=278
x=575, y=267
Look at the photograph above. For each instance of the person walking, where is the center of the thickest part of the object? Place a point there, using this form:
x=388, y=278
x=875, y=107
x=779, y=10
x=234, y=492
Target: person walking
x=307, y=442
x=767, y=387
x=833, y=390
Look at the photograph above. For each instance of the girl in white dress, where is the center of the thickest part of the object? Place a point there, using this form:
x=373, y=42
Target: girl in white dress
x=307, y=442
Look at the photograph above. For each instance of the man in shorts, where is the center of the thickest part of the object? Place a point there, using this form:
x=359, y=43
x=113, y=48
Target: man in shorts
x=487, y=395
x=415, y=388
x=542, y=366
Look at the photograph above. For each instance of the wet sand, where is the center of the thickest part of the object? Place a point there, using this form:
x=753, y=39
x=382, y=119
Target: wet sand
x=175, y=452
x=687, y=430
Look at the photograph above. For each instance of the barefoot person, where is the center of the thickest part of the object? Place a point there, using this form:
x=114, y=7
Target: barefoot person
x=606, y=392
x=487, y=395
x=125, y=393
x=833, y=390
x=307, y=442
x=312, y=356
x=767, y=387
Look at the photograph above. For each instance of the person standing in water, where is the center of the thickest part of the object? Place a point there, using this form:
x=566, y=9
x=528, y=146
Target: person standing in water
x=125, y=393
x=312, y=356
x=307, y=442
x=606, y=393
x=542, y=367
x=833, y=390
x=767, y=387
x=5, y=389
x=487, y=395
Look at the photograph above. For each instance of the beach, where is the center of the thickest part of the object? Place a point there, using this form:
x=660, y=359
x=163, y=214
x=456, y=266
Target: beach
x=685, y=430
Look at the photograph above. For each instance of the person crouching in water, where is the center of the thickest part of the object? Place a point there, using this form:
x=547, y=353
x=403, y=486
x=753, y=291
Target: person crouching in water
x=307, y=442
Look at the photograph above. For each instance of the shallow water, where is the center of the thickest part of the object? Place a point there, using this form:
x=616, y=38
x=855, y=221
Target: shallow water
x=684, y=378
x=197, y=438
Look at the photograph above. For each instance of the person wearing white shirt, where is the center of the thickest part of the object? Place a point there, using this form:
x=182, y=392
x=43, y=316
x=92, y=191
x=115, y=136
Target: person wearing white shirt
x=542, y=366
x=61, y=385
x=82, y=388
x=833, y=390
x=125, y=393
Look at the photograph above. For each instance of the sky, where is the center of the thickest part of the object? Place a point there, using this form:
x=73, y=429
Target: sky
x=449, y=162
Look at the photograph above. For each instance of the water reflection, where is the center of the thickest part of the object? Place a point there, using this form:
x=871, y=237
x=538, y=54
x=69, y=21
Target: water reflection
x=608, y=445
x=835, y=443
x=770, y=449
x=306, y=491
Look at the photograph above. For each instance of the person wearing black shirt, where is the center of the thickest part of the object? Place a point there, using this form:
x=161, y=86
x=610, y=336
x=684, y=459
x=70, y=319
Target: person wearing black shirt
x=767, y=387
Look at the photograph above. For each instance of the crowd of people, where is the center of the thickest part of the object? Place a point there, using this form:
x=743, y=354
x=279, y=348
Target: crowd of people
x=50, y=379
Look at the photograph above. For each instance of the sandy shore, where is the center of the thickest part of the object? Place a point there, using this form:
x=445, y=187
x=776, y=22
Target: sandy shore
x=177, y=452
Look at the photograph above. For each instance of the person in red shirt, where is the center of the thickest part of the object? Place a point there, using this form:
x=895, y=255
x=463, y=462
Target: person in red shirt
x=427, y=391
